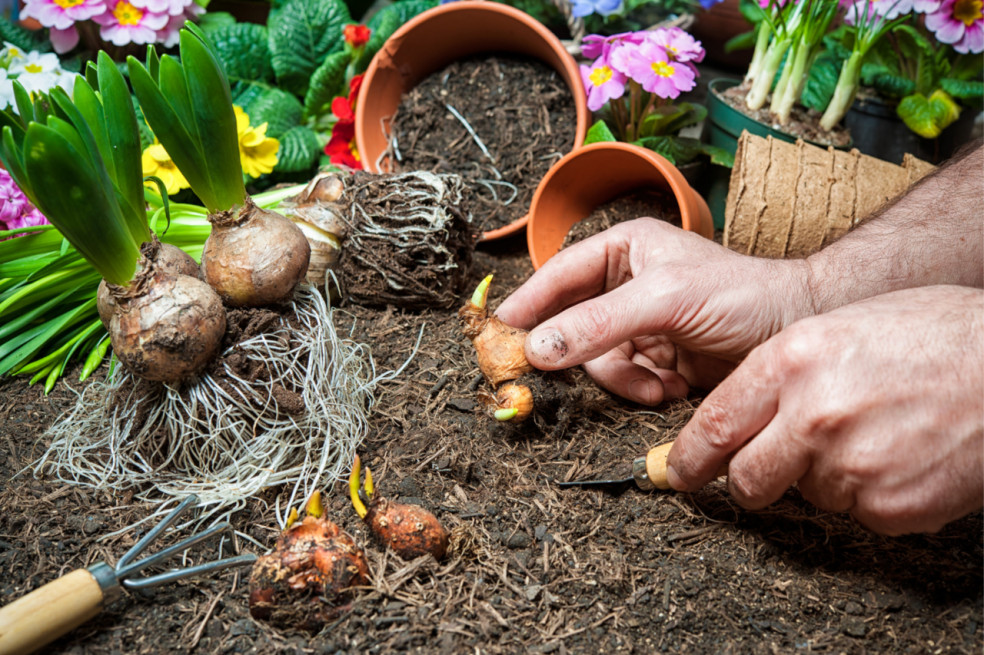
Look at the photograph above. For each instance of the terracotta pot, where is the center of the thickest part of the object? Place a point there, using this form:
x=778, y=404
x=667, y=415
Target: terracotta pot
x=595, y=174
x=438, y=37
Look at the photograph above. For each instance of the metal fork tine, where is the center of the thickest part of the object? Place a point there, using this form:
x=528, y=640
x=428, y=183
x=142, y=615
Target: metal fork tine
x=180, y=574
x=156, y=531
x=123, y=573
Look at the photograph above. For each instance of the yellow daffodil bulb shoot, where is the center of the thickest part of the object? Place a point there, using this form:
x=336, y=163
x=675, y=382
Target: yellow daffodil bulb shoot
x=257, y=152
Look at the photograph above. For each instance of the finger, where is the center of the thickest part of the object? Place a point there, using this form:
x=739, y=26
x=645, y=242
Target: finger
x=573, y=274
x=594, y=327
x=769, y=464
x=738, y=409
x=617, y=373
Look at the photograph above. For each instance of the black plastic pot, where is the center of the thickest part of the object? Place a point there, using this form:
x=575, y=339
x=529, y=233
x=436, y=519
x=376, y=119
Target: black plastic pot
x=878, y=131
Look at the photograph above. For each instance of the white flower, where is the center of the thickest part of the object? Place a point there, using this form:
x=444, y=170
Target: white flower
x=34, y=63
x=6, y=91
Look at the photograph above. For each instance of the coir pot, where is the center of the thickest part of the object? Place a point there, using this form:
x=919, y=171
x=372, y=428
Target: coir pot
x=595, y=174
x=438, y=37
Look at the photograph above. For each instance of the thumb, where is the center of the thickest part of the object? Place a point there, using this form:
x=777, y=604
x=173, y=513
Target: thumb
x=593, y=327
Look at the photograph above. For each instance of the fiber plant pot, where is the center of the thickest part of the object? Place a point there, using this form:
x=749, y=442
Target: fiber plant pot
x=595, y=174
x=878, y=131
x=438, y=37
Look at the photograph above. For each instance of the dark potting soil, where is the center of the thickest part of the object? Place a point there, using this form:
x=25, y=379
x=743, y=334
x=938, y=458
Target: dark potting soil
x=498, y=121
x=533, y=568
x=635, y=204
x=803, y=123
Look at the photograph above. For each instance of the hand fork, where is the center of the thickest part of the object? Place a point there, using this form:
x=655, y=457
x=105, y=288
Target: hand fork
x=64, y=604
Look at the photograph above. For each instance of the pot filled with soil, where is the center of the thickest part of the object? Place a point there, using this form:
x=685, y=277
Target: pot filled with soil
x=605, y=172
x=479, y=89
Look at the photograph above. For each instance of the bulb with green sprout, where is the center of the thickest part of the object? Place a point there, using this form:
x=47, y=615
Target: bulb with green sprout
x=253, y=256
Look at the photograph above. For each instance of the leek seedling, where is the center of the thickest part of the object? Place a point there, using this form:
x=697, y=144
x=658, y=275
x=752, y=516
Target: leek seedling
x=253, y=256
x=79, y=163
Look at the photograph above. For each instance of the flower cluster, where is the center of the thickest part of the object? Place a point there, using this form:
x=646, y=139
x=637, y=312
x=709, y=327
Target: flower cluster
x=16, y=211
x=120, y=21
x=257, y=153
x=35, y=71
x=341, y=148
x=660, y=63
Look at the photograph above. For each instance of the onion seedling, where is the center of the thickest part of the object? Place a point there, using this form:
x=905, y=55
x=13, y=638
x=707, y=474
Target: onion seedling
x=79, y=163
x=410, y=530
x=307, y=576
x=253, y=256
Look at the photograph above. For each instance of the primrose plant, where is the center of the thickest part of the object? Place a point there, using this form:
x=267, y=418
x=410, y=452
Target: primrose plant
x=634, y=84
x=119, y=22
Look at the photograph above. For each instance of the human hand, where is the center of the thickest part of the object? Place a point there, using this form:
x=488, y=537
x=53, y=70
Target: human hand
x=650, y=309
x=876, y=408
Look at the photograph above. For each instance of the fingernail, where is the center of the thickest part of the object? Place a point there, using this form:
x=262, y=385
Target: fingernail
x=673, y=478
x=547, y=345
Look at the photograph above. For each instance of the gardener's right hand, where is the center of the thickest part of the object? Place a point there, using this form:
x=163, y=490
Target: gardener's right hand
x=650, y=309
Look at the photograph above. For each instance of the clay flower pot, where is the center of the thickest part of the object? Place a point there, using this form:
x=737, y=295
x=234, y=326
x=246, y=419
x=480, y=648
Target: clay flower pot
x=595, y=174
x=438, y=37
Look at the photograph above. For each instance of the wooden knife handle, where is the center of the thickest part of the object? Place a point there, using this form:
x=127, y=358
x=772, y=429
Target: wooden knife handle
x=656, y=466
x=48, y=612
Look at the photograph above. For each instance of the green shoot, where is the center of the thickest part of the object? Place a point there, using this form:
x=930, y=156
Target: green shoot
x=189, y=107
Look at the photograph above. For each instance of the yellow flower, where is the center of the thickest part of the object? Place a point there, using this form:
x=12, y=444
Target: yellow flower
x=157, y=162
x=257, y=152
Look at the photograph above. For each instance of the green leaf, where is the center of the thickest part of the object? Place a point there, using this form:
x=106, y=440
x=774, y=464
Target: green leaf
x=124, y=139
x=244, y=52
x=212, y=21
x=299, y=150
x=245, y=92
x=719, y=156
x=680, y=116
x=68, y=189
x=212, y=102
x=184, y=150
x=892, y=86
x=280, y=110
x=963, y=89
x=678, y=150
x=326, y=83
x=302, y=34
x=821, y=81
x=927, y=117
x=174, y=86
x=599, y=132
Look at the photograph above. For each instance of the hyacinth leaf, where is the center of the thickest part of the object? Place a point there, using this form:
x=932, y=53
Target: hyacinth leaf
x=153, y=63
x=23, y=320
x=69, y=194
x=25, y=106
x=91, y=109
x=66, y=345
x=171, y=132
x=12, y=155
x=124, y=136
x=94, y=359
x=212, y=103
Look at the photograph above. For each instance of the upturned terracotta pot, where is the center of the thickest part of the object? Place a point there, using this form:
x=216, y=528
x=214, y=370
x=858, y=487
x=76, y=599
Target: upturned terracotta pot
x=595, y=174
x=438, y=37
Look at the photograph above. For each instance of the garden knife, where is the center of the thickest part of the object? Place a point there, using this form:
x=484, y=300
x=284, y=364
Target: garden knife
x=648, y=473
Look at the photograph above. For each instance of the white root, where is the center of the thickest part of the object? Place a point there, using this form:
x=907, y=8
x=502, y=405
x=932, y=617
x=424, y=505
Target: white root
x=226, y=443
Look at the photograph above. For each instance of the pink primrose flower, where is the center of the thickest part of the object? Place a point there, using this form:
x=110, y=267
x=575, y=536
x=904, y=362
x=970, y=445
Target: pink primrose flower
x=63, y=40
x=169, y=7
x=764, y=4
x=62, y=14
x=123, y=23
x=651, y=66
x=596, y=45
x=602, y=83
x=680, y=45
x=959, y=23
x=926, y=6
x=170, y=34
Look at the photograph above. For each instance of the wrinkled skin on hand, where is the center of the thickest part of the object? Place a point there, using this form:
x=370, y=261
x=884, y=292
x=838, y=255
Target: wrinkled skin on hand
x=651, y=310
x=875, y=408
